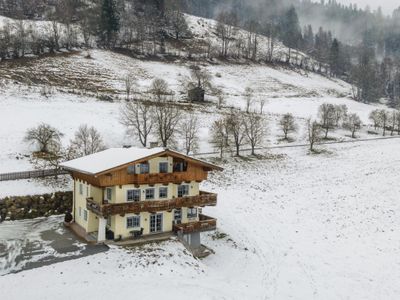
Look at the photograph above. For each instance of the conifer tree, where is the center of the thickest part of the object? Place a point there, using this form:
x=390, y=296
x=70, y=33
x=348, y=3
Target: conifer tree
x=109, y=23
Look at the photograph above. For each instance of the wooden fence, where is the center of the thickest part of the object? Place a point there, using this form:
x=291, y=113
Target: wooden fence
x=31, y=174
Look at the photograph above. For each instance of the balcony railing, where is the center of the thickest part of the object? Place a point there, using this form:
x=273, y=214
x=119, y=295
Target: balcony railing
x=205, y=223
x=104, y=210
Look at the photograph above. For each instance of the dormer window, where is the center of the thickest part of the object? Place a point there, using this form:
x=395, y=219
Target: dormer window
x=180, y=166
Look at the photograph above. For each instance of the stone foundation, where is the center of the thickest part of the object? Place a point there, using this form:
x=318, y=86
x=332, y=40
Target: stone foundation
x=29, y=207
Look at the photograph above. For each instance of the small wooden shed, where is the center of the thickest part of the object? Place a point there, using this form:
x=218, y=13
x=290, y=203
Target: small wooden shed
x=196, y=94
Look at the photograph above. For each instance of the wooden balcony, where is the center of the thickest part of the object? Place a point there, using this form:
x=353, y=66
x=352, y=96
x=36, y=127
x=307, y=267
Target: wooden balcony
x=205, y=223
x=104, y=210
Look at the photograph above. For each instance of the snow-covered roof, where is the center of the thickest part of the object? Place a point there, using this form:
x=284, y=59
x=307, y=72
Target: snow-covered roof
x=115, y=157
x=109, y=159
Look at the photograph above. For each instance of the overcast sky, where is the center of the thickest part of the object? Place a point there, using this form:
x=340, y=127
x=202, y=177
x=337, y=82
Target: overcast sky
x=387, y=5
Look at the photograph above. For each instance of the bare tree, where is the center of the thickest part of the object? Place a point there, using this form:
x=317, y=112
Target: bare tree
x=262, y=102
x=236, y=129
x=218, y=135
x=393, y=121
x=352, y=123
x=189, y=130
x=255, y=130
x=248, y=95
x=137, y=117
x=177, y=22
x=160, y=90
x=87, y=141
x=375, y=117
x=220, y=97
x=130, y=83
x=327, y=117
x=288, y=124
x=200, y=78
x=226, y=30
x=340, y=114
x=46, y=137
x=384, y=118
x=314, y=133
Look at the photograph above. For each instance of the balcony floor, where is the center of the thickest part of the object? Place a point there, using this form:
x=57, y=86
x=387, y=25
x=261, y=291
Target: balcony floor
x=157, y=237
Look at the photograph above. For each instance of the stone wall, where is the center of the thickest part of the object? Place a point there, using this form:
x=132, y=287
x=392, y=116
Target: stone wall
x=29, y=207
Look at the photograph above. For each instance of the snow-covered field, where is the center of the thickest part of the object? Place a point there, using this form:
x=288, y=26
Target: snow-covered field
x=298, y=226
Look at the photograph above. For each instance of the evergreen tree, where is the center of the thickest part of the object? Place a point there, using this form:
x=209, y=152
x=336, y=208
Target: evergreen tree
x=290, y=30
x=109, y=23
x=334, y=58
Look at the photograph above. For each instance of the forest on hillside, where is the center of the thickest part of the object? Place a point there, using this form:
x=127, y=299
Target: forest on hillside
x=360, y=46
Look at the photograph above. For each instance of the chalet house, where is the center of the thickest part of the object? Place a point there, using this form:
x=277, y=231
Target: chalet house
x=124, y=193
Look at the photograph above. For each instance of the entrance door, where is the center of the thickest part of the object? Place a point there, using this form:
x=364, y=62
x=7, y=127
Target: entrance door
x=156, y=223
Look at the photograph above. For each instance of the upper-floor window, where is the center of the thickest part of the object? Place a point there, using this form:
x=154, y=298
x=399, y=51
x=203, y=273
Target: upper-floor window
x=80, y=189
x=144, y=168
x=149, y=194
x=87, y=191
x=192, y=212
x=183, y=190
x=133, y=222
x=132, y=169
x=163, y=192
x=163, y=167
x=109, y=194
x=180, y=166
x=133, y=195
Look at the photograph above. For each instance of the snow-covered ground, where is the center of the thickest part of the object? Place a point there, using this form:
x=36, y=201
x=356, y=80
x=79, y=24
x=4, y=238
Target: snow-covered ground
x=298, y=226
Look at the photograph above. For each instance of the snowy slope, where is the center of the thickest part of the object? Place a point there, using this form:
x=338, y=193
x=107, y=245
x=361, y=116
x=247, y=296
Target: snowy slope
x=299, y=227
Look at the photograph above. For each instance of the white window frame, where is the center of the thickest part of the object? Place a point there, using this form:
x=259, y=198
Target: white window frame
x=188, y=190
x=159, y=166
x=133, y=218
x=85, y=215
x=154, y=193
x=106, y=195
x=141, y=168
x=80, y=188
x=159, y=192
x=190, y=214
x=133, y=200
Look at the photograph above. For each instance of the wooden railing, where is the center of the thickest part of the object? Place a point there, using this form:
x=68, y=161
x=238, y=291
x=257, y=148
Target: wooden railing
x=121, y=177
x=205, y=223
x=203, y=199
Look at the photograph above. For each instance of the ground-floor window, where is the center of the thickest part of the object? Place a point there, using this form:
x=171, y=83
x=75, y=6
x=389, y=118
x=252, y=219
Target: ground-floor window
x=80, y=211
x=156, y=222
x=178, y=214
x=133, y=222
x=192, y=212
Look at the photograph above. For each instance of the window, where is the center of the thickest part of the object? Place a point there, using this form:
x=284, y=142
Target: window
x=133, y=222
x=131, y=169
x=183, y=190
x=180, y=166
x=133, y=195
x=178, y=214
x=87, y=191
x=80, y=189
x=192, y=212
x=163, y=166
x=149, y=194
x=144, y=168
x=85, y=214
x=109, y=221
x=80, y=211
x=109, y=194
x=163, y=192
